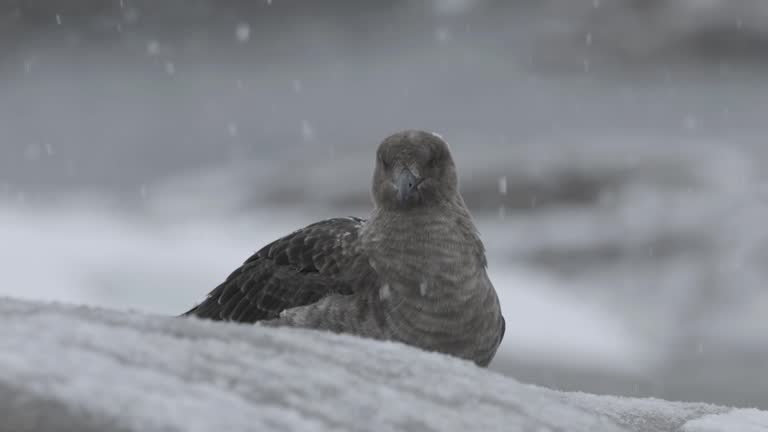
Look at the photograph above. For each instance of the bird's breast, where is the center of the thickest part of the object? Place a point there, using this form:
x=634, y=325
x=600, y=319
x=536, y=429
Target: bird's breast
x=433, y=290
x=461, y=319
x=431, y=250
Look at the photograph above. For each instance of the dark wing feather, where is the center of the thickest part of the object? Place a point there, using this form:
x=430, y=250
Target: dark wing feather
x=295, y=270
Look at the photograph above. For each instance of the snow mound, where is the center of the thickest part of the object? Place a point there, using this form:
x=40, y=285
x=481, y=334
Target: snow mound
x=68, y=368
x=741, y=420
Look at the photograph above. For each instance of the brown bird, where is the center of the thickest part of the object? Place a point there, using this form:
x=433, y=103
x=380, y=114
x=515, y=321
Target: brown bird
x=413, y=272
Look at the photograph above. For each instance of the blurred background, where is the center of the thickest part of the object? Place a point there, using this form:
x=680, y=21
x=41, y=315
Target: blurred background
x=612, y=152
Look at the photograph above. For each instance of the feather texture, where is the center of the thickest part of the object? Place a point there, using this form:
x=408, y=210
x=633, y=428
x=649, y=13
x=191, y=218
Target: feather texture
x=295, y=270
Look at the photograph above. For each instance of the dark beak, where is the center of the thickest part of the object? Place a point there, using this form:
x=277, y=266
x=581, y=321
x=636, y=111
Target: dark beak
x=406, y=185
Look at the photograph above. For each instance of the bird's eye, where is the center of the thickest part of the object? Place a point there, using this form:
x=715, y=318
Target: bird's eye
x=383, y=162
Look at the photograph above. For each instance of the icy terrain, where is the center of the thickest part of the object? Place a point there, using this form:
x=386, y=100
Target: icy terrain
x=72, y=368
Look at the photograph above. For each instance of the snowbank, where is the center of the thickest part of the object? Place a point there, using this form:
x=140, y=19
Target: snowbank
x=66, y=368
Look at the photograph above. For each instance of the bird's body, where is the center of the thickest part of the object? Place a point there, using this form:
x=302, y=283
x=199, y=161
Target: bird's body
x=414, y=272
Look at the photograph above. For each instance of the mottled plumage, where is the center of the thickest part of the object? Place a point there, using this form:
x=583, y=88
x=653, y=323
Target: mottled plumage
x=413, y=272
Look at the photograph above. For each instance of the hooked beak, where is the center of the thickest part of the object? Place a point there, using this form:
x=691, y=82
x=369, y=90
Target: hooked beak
x=406, y=185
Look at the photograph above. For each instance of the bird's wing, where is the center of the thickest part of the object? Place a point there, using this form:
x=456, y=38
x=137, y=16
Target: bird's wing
x=296, y=270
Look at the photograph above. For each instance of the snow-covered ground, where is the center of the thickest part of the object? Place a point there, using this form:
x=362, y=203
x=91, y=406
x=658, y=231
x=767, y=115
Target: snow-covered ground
x=73, y=368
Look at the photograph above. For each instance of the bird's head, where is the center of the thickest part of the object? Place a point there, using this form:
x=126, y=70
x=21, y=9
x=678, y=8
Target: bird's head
x=413, y=169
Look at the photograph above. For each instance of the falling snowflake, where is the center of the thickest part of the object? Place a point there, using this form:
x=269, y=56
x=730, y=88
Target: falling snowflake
x=153, y=47
x=307, y=131
x=385, y=292
x=243, y=32
x=170, y=68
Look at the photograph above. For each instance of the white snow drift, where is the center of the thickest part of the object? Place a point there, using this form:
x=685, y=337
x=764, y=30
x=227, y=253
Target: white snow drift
x=66, y=368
